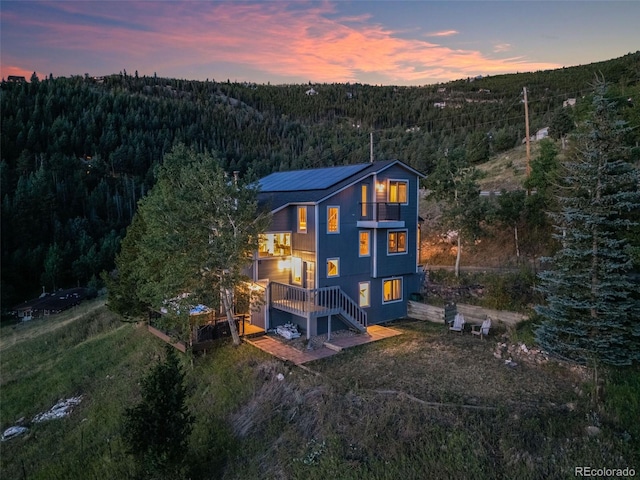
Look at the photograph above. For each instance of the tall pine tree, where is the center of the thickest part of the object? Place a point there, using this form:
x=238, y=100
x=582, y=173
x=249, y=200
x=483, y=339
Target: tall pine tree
x=592, y=311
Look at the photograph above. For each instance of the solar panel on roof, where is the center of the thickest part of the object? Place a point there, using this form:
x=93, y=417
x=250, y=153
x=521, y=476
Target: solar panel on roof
x=313, y=179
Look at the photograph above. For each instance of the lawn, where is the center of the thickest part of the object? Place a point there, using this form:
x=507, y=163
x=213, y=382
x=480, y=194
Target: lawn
x=425, y=404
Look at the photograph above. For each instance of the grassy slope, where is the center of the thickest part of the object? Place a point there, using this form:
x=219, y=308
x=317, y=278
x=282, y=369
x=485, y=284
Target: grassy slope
x=506, y=170
x=365, y=416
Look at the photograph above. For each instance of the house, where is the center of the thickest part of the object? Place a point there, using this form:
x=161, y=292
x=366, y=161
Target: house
x=539, y=135
x=342, y=248
x=50, y=304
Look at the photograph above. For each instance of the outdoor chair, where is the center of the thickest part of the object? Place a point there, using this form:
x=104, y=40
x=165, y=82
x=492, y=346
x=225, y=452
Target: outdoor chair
x=483, y=329
x=458, y=323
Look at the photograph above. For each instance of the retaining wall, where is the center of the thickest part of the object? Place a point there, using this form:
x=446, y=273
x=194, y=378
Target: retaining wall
x=472, y=313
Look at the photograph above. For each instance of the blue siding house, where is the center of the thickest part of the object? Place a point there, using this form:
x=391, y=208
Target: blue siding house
x=342, y=248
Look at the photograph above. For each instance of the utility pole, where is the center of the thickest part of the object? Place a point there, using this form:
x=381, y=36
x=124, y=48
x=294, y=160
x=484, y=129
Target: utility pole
x=526, y=123
x=371, y=147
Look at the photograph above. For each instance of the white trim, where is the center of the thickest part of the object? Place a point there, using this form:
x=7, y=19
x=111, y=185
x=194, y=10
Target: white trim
x=374, y=268
x=401, y=290
x=338, y=219
x=289, y=204
x=418, y=226
x=316, y=221
x=406, y=242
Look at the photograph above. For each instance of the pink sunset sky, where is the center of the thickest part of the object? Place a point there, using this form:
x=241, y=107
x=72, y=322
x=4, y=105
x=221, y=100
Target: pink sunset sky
x=375, y=42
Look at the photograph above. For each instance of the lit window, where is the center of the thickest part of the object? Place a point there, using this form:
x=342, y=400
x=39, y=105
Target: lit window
x=392, y=290
x=365, y=297
x=274, y=244
x=364, y=243
x=333, y=267
x=333, y=219
x=397, y=242
x=363, y=199
x=397, y=191
x=296, y=270
x=302, y=219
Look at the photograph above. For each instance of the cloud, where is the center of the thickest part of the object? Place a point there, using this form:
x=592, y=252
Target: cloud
x=501, y=47
x=299, y=41
x=444, y=33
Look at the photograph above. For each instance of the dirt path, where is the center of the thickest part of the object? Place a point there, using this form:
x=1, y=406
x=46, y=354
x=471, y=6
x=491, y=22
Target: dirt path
x=20, y=332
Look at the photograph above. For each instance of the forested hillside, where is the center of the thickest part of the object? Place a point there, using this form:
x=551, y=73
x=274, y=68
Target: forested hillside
x=78, y=153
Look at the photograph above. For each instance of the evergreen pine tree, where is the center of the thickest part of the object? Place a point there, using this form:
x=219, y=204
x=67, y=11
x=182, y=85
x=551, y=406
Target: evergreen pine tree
x=592, y=308
x=157, y=429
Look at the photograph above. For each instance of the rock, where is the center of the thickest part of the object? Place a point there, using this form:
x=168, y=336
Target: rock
x=59, y=410
x=593, y=431
x=12, y=432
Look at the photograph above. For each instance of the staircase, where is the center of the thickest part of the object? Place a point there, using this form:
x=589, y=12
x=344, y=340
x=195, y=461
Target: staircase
x=318, y=302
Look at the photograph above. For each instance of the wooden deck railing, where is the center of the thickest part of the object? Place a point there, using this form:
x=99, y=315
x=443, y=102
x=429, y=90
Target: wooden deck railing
x=317, y=302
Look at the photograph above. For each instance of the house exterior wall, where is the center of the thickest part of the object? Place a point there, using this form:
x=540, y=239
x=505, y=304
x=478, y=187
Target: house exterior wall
x=374, y=269
x=274, y=269
x=380, y=265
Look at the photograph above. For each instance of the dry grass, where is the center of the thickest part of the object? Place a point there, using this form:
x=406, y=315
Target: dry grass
x=425, y=401
x=507, y=170
x=434, y=365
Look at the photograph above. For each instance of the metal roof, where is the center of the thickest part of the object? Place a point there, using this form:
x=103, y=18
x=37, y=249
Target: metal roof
x=313, y=179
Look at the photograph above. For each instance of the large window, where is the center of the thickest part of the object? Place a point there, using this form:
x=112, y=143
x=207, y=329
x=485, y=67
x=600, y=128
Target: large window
x=365, y=294
x=274, y=244
x=392, y=290
x=333, y=219
x=397, y=191
x=302, y=219
x=397, y=242
x=365, y=244
x=333, y=267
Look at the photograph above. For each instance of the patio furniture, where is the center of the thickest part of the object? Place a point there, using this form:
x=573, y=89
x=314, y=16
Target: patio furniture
x=483, y=329
x=458, y=323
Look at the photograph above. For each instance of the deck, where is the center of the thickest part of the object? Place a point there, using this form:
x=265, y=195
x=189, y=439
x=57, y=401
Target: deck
x=279, y=349
x=316, y=303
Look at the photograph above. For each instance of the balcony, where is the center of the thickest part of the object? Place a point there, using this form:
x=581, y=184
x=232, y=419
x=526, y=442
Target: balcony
x=380, y=215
